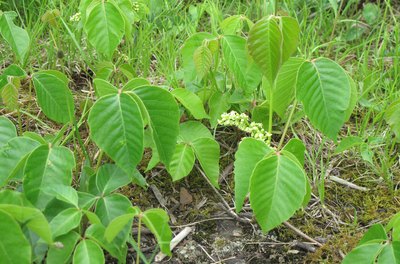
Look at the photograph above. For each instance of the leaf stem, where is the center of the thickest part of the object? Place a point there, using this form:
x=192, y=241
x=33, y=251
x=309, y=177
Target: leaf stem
x=99, y=158
x=270, y=114
x=287, y=125
x=138, y=240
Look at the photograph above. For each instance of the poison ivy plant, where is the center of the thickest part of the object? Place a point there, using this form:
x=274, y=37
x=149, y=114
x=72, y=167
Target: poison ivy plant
x=156, y=220
x=274, y=178
x=48, y=213
x=378, y=245
x=128, y=112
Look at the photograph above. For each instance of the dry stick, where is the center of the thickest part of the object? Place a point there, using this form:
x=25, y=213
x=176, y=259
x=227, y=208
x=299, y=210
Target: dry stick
x=300, y=233
x=248, y=221
x=174, y=242
x=347, y=183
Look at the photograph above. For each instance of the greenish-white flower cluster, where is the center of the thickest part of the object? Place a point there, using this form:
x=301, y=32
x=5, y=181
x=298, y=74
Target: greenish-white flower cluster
x=241, y=121
x=76, y=17
x=136, y=6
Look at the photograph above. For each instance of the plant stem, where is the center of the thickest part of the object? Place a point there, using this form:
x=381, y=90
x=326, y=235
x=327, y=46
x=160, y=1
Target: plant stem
x=287, y=125
x=19, y=122
x=138, y=239
x=78, y=136
x=328, y=50
x=99, y=158
x=270, y=114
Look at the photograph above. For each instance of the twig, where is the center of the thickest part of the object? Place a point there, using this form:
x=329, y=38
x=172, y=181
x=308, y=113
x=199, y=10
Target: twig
x=347, y=183
x=225, y=206
x=174, y=242
x=202, y=221
x=208, y=255
x=300, y=233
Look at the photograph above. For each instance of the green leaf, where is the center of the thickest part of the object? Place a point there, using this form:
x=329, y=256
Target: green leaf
x=290, y=33
x=202, y=58
x=13, y=197
x=112, y=206
x=394, y=225
x=116, y=126
x=135, y=83
x=265, y=46
x=31, y=217
x=105, y=28
x=86, y=200
x=117, y=249
x=34, y=136
x=92, y=217
x=103, y=88
x=348, y=143
x=366, y=253
x=12, y=70
x=271, y=42
x=182, y=162
x=245, y=71
x=191, y=102
x=66, y=194
x=156, y=221
x=371, y=13
x=15, y=36
x=390, y=254
x=277, y=190
x=187, y=51
x=88, y=252
x=297, y=148
x=232, y=25
x=164, y=117
x=126, y=10
x=249, y=153
x=127, y=69
x=14, y=247
x=119, y=223
x=103, y=70
x=207, y=152
x=46, y=168
x=54, y=96
x=366, y=153
x=324, y=89
x=7, y=130
x=192, y=130
x=375, y=234
x=57, y=255
x=13, y=156
x=9, y=95
x=392, y=116
x=218, y=104
x=284, y=90
x=65, y=221
x=108, y=179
